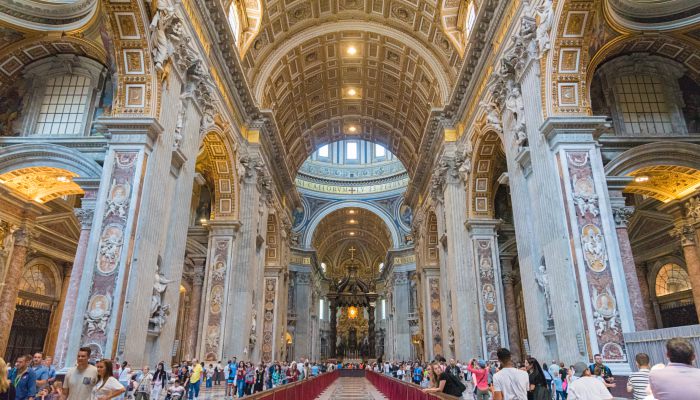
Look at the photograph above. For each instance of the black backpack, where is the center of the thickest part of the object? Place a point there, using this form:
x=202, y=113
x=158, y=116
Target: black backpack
x=456, y=386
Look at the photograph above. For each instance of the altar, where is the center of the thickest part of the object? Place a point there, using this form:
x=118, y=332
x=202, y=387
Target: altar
x=352, y=329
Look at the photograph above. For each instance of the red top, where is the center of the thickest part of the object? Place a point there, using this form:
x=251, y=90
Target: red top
x=480, y=377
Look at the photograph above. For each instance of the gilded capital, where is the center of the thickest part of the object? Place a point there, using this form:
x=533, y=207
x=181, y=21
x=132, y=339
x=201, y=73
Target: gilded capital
x=685, y=232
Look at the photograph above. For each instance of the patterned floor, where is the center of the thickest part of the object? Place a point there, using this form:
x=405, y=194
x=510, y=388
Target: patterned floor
x=351, y=389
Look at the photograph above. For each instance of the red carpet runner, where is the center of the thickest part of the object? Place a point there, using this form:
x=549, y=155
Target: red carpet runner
x=395, y=389
x=307, y=389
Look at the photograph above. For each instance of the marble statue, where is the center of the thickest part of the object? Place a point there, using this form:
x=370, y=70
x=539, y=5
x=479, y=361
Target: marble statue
x=97, y=316
x=514, y=103
x=546, y=14
x=159, y=310
x=162, y=48
x=543, y=283
x=492, y=115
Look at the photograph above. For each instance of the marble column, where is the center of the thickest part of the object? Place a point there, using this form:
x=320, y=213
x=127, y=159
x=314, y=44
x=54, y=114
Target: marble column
x=646, y=296
x=371, y=331
x=448, y=185
x=686, y=233
x=621, y=214
x=8, y=297
x=85, y=217
x=401, y=336
x=195, y=306
x=509, y=278
x=334, y=328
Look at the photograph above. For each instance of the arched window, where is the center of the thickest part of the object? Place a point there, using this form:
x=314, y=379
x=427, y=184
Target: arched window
x=470, y=19
x=65, y=90
x=671, y=278
x=234, y=21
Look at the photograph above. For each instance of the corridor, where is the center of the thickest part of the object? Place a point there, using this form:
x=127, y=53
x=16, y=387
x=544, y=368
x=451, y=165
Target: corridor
x=346, y=388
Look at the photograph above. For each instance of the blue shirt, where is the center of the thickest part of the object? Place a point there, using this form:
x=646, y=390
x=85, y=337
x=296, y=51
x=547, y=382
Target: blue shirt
x=559, y=384
x=314, y=370
x=41, y=372
x=25, y=385
x=418, y=374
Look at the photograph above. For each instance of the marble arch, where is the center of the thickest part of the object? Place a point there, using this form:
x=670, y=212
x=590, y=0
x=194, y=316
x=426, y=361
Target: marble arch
x=49, y=16
x=223, y=170
x=652, y=154
x=48, y=155
x=56, y=276
x=321, y=214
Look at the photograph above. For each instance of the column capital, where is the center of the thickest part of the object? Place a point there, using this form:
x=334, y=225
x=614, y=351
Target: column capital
x=685, y=232
x=23, y=236
x=130, y=131
x=451, y=169
x=622, y=214
x=692, y=208
x=574, y=129
x=486, y=226
x=85, y=216
x=510, y=277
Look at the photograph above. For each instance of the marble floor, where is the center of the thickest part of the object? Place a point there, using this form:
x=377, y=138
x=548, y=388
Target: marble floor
x=351, y=389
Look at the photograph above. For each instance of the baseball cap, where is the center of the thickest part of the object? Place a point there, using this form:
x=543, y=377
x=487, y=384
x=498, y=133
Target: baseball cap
x=580, y=368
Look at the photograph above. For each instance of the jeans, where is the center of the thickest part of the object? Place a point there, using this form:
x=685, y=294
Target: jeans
x=142, y=396
x=241, y=387
x=561, y=395
x=483, y=394
x=194, y=390
x=209, y=382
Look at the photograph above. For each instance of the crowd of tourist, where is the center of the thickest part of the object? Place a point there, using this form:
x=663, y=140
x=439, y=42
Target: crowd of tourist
x=34, y=377
x=530, y=380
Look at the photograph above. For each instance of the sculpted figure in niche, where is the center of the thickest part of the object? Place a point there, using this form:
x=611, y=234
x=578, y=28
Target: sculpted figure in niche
x=492, y=115
x=159, y=310
x=514, y=103
x=97, y=315
x=162, y=48
x=543, y=283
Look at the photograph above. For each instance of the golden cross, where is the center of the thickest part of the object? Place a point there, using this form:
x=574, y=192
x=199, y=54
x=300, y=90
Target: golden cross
x=352, y=253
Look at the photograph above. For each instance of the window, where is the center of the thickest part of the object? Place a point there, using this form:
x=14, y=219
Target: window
x=233, y=21
x=471, y=18
x=351, y=150
x=671, y=278
x=323, y=151
x=63, y=108
x=383, y=308
x=643, y=104
x=320, y=309
x=379, y=150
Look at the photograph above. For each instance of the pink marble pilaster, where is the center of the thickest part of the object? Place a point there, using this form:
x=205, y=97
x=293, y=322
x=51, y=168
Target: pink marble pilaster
x=687, y=235
x=71, y=299
x=195, y=309
x=8, y=297
x=511, y=315
x=639, y=314
x=646, y=295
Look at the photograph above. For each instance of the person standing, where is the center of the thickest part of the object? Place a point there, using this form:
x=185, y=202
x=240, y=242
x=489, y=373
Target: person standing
x=230, y=372
x=605, y=371
x=160, y=381
x=480, y=375
x=586, y=386
x=680, y=380
x=79, y=381
x=240, y=379
x=195, y=380
x=107, y=387
x=145, y=386
x=509, y=383
x=24, y=379
x=7, y=389
x=218, y=370
x=40, y=370
x=638, y=381
x=125, y=374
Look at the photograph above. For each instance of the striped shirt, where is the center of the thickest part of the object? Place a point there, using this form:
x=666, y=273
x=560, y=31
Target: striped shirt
x=638, y=382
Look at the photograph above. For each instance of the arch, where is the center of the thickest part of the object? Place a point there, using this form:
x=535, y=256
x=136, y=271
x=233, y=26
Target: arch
x=58, y=16
x=488, y=151
x=652, y=154
x=15, y=57
x=193, y=247
x=322, y=213
x=652, y=272
x=53, y=270
x=273, y=59
x=249, y=15
x=223, y=169
x=48, y=155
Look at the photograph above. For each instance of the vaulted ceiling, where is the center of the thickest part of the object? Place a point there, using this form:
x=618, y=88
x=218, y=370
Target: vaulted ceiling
x=400, y=59
x=351, y=227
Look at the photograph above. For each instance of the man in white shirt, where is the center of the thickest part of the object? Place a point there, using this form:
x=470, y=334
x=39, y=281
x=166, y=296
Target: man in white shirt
x=79, y=381
x=587, y=387
x=509, y=383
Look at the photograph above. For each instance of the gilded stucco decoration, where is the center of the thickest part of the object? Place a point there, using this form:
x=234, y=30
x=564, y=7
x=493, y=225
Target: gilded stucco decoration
x=221, y=166
x=41, y=184
x=489, y=161
x=355, y=228
x=664, y=182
